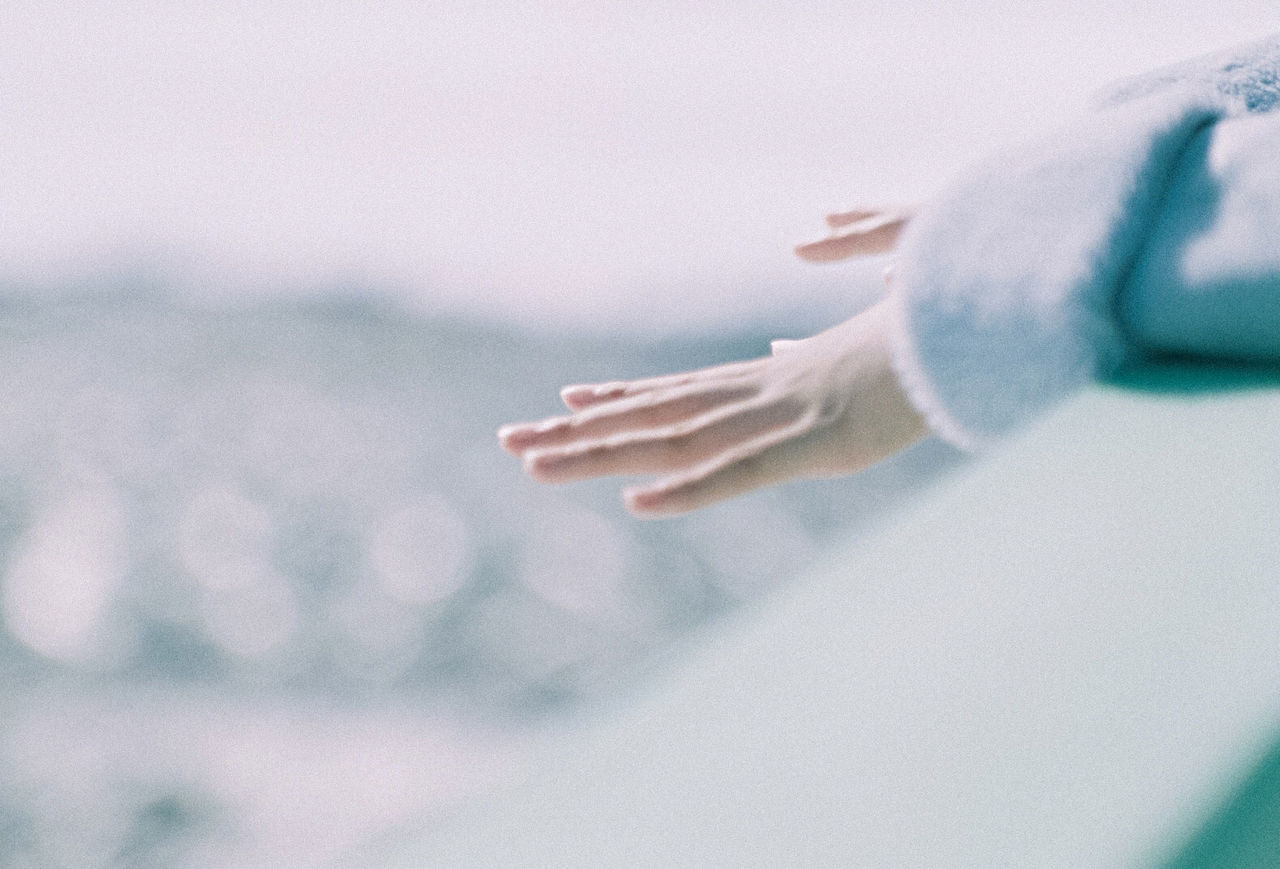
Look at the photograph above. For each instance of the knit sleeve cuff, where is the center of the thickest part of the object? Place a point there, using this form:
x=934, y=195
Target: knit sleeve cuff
x=1005, y=291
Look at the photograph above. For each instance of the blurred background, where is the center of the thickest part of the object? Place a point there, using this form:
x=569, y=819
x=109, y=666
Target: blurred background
x=273, y=274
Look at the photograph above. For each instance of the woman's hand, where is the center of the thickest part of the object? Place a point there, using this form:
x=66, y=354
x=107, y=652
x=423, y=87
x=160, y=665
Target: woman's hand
x=824, y=406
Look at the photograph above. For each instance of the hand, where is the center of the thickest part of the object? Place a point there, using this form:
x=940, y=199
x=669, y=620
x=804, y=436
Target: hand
x=824, y=406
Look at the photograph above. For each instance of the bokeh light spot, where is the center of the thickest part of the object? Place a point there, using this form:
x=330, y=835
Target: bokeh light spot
x=576, y=559
x=420, y=552
x=254, y=618
x=66, y=571
x=223, y=538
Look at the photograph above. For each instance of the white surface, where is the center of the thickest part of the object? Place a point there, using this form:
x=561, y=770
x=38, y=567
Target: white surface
x=1060, y=658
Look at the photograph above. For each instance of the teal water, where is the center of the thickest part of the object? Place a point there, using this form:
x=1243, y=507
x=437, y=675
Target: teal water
x=1243, y=832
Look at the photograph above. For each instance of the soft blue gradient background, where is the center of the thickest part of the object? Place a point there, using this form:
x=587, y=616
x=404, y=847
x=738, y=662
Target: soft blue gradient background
x=273, y=273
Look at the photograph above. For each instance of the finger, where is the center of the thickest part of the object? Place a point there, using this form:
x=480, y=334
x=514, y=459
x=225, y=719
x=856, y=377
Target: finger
x=844, y=218
x=581, y=396
x=865, y=238
x=769, y=459
x=647, y=410
x=659, y=450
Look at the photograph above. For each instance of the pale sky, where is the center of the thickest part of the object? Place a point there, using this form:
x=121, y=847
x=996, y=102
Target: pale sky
x=646, y=166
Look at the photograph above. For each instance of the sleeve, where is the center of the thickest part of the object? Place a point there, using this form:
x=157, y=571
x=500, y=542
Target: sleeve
x=1245, y=78
x=1008, y=289
x=1208, y=281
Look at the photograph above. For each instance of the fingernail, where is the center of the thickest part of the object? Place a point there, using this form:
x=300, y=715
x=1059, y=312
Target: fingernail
x=538, y=463
x=507, y=434
x=782, y=345
x=641, y=497
x=548, y=425
x=648, y=503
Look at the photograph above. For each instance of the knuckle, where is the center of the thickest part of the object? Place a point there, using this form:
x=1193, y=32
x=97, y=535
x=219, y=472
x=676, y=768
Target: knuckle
x=831, y=408
x=791, y=407
x=684, y=435
x=597, y=451
x=680, y=436
x=671, y=451
x=811, y=419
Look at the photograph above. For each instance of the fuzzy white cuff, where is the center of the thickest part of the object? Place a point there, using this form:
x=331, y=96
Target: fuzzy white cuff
x=1005, y=292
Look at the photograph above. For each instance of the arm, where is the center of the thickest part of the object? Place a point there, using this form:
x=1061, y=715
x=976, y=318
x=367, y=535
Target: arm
x=1007, y=283
x=1009, y=297
x=1013, y=284
x=1245, y=79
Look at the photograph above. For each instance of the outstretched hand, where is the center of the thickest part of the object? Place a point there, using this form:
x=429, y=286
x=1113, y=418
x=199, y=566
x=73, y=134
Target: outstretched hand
x=824, y=406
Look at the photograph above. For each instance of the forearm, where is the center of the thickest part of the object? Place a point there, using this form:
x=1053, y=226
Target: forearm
x=1047, y=268
x=1006, y=284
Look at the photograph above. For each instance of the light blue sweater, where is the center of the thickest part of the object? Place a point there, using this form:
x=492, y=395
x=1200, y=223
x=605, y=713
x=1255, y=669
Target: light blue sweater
x=1150, y=226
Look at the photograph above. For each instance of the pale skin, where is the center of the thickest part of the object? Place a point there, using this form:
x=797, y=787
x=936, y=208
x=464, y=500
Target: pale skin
x=823, y=406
